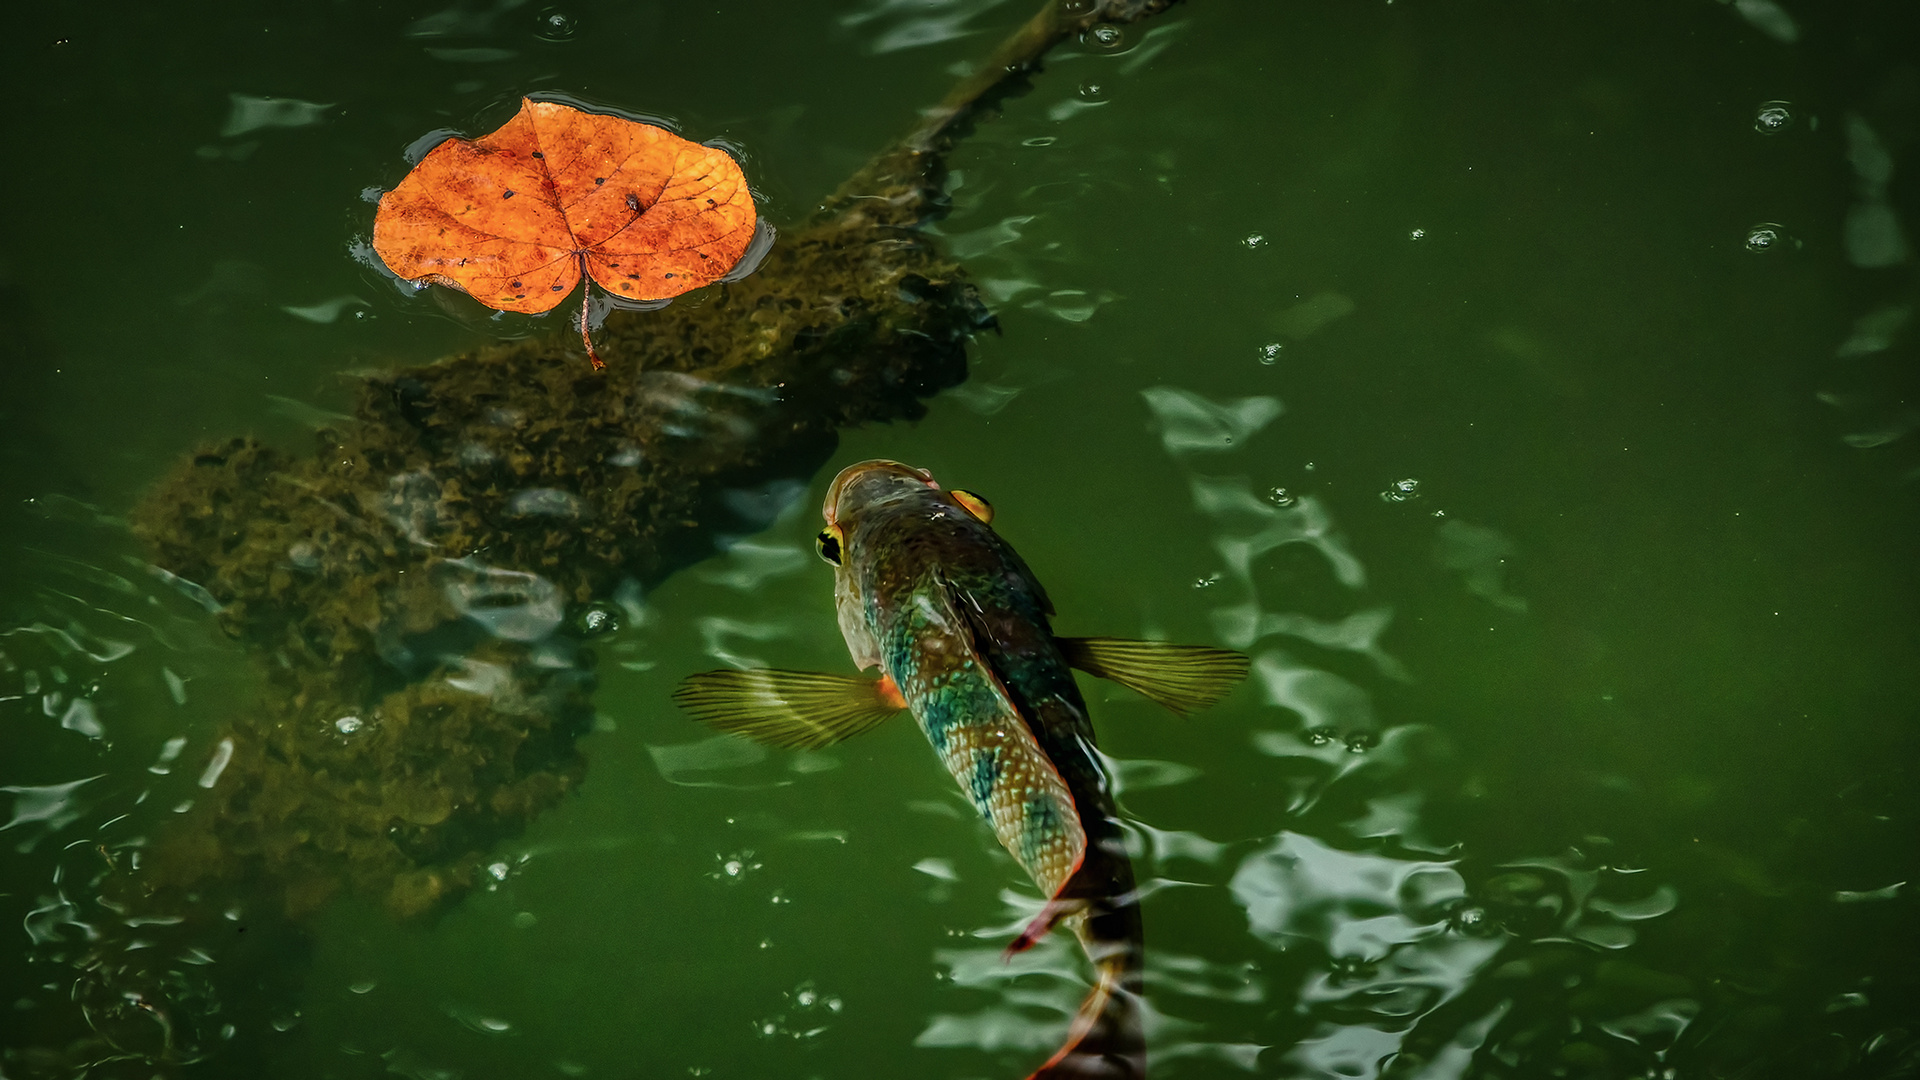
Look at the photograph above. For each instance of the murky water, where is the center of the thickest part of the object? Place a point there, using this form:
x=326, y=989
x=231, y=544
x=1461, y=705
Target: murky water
x=1528, y=388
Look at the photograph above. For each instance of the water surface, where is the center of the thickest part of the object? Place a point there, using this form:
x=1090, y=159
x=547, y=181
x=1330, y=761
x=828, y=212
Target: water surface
x=1529, y=400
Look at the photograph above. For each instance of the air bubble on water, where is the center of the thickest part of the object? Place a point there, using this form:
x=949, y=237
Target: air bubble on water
x=556, y=25
x=365, y=986
x=1105, y=36
x=1361, y=741
x=1472, y=920
x=1350, y=968
x=347, y=725
x=1321, y=736
x=1270, y=353
x=286, y=1021
x=1401, y=491
x=1765, y=237
x=1092, y=91
x=1253, y=240
x=524, y=919
x=1417, y=234
x=1281, y=497
x=1773, y=117
x=734, y=867
x=1308, y=466
x=598, y=618
x=1207, y=582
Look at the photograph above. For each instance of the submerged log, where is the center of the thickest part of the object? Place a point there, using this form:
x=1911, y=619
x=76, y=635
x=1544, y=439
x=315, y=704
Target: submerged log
x=416, y=590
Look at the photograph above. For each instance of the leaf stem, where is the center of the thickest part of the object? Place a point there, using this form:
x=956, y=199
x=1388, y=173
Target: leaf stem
x=586, y=295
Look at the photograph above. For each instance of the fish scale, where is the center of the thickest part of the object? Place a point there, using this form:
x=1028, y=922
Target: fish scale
x=979, y=735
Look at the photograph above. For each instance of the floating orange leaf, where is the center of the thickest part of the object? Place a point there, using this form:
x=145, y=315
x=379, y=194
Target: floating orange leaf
x=515, y=217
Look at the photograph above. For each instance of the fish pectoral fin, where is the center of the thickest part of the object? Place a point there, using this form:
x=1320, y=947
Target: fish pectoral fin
x=800, y=710
x=1184, y=678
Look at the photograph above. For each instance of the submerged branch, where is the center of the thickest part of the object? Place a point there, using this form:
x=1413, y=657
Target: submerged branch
x=903, y=185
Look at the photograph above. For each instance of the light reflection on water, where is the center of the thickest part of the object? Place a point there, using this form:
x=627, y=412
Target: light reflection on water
x=117, y=675
x=1390, y=952
x=1526, y=787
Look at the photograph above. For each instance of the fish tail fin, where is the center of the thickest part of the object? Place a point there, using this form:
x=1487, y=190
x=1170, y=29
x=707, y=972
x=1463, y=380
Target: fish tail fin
x=1106, y=1040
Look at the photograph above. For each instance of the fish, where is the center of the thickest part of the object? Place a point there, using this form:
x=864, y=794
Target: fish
x=960, y=632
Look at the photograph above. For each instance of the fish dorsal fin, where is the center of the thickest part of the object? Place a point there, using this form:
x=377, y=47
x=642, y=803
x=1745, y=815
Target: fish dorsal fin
x=1184, y=678
x=800, y=710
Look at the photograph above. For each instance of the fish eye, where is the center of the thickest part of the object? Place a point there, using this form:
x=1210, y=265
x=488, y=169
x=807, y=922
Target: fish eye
x=974, y=504
x=828, y=544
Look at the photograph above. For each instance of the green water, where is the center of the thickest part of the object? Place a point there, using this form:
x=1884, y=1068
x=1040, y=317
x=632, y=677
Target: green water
x=1628, y=665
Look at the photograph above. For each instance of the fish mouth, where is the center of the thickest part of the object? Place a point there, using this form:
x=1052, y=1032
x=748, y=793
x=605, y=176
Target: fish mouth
x=869, y=479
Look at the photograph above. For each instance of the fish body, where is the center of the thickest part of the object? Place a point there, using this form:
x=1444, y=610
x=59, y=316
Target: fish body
x=951, y=615
x=960, y=630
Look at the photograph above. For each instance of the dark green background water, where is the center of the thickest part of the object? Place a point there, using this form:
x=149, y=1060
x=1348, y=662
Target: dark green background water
x=1639, y=655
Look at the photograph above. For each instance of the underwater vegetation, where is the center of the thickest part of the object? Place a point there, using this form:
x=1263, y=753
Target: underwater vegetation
x=416, y=592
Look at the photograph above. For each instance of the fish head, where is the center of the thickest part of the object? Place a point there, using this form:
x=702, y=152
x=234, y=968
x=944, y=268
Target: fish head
x=869, y=485
x=872, y=510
